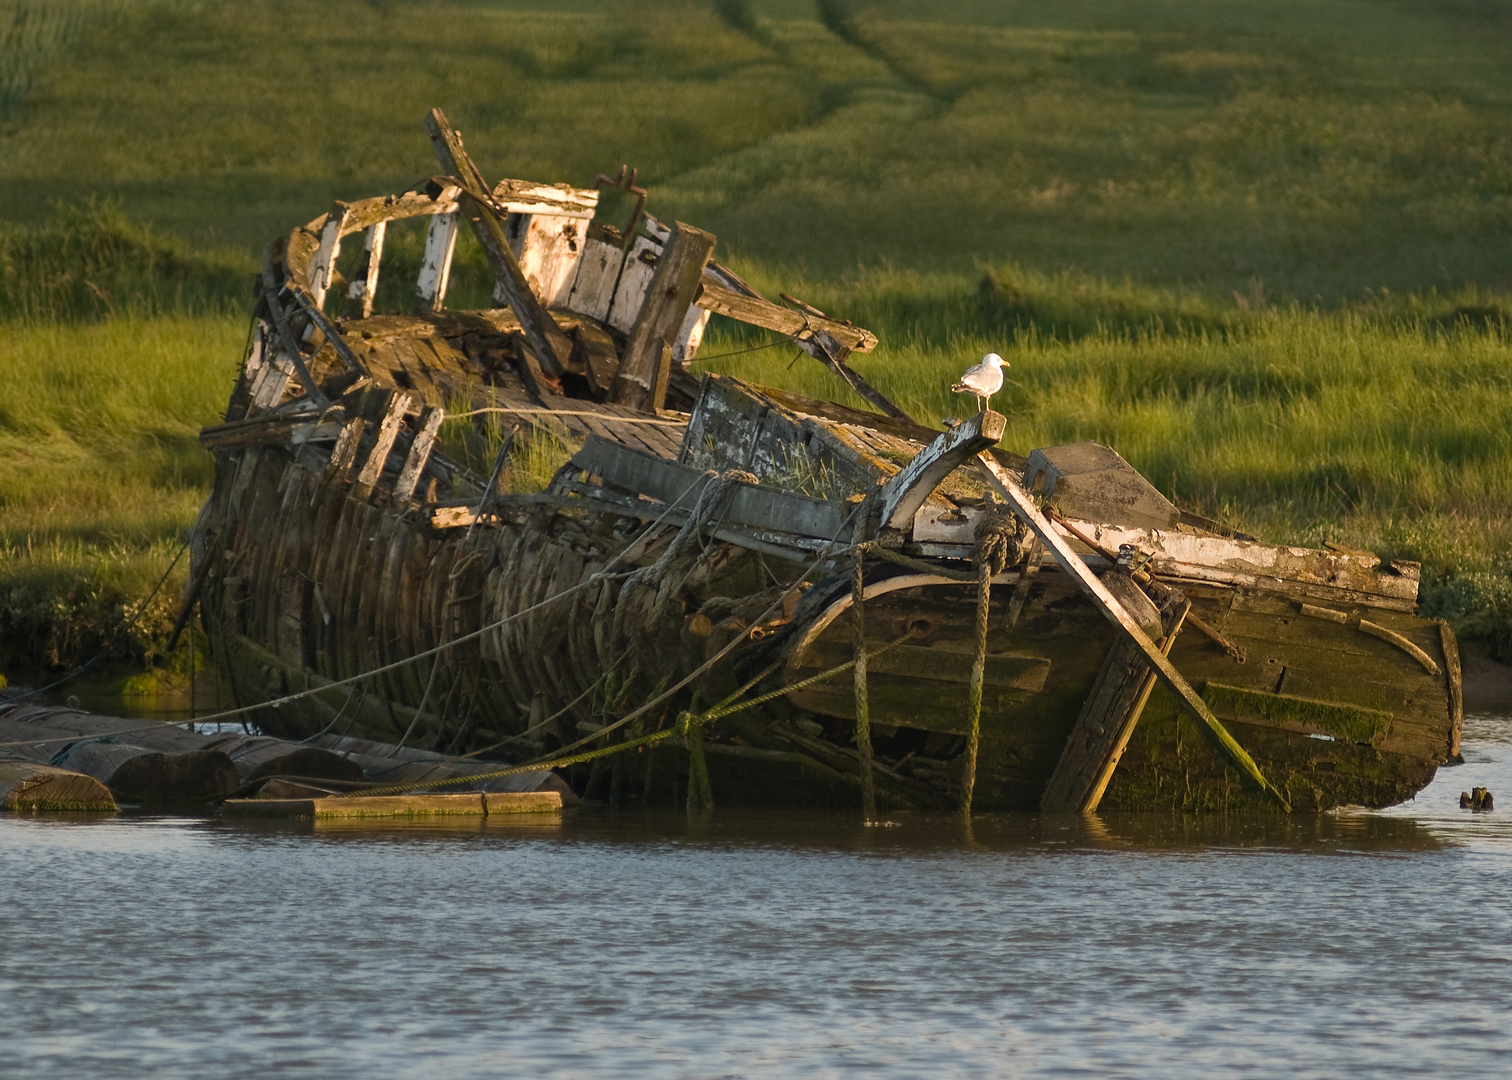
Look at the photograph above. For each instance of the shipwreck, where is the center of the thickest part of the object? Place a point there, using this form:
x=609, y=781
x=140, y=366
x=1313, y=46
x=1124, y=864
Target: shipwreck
x=737, y=592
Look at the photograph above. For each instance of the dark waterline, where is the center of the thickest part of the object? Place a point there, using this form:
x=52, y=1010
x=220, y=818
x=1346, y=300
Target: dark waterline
x=767, y=944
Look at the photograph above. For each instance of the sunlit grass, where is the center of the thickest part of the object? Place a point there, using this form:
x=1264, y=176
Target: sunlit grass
x=1261, y=248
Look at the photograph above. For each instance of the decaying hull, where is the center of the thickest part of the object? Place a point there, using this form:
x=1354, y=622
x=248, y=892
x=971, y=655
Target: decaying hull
x=704, y=534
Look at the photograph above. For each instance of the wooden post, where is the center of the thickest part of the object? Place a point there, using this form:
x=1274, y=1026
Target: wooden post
x=1107, y=721
x=1113, y=611
x=543, y=337
x=645, y=368
x=863, y=703
x=364, y=285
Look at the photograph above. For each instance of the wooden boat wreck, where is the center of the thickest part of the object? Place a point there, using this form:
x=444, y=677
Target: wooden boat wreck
x=1043, y=632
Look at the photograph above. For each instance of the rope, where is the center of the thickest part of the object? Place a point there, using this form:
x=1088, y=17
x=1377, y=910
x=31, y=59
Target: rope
x=1002, y=540
x=685, y=722
x=863, y=703
x=593, y=579
x=974, y=692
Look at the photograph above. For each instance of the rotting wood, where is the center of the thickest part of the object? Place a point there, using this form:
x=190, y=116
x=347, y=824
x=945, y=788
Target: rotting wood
x=1103, y=729
x=719, y=298
x=435, y=269
x=645, y=366
x=903, y=494
x=1376, y=630
x=1024, y=507
x=306, y=583
x=364, y=284
x=1450, y=645
x=543, y=337
x=419, y=454
x=32, y=786
x=400, y=405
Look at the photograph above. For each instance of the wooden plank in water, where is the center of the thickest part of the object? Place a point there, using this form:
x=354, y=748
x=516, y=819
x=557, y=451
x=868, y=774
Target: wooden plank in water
x=522, y=802
x=29, y=785
x=470, y=804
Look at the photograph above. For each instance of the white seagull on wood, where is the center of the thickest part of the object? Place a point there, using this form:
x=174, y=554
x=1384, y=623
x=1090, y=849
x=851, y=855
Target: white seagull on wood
x=983, y=380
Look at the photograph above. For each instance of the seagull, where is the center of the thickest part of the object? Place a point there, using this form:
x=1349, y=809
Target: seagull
x=983, y=380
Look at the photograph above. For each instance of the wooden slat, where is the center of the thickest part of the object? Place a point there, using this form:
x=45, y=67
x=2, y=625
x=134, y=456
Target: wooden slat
x=400, y=404
x=645, y=365
x=597, y=276
x=419, y=454
x=435, y=271
x=364, y=285
x=634, y=279
x=749, y=504
x=716, y=297
x=1103, y=729
x=543, y=337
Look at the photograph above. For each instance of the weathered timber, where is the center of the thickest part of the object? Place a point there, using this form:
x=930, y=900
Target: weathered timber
x=31, y=786
x=645, y=366
x=1455, y=681
x=253, y=756
x=718, y=297
x=1376, y=630
x=435, y=268
x=746, y=504
x=544, y=338
x=903, y=494
x=1102, y=730
x=421, y=805
x=134, y=774
x=1114, y=611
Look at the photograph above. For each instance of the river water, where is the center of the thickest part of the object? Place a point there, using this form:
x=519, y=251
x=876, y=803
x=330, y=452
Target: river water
x=1356, y=944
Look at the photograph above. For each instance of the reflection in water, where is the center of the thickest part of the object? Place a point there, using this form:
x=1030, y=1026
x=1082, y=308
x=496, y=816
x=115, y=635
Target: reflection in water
x=599, y=944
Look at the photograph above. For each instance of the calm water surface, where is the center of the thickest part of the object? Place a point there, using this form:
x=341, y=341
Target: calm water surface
x=768, y=945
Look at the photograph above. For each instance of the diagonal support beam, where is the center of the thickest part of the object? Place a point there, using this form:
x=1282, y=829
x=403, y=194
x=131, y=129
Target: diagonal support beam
x=546, y=341
x=1022, y=505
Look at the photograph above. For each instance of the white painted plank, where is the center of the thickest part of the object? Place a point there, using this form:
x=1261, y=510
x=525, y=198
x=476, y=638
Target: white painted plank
x=634, y=280
x=364, y=286
x=435, y=272
x=691, y=335
x=598, y=274
x=549, y=254
x=323, y=266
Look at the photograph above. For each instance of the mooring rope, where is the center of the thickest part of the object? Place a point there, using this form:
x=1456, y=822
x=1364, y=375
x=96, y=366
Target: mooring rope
x=685, y=722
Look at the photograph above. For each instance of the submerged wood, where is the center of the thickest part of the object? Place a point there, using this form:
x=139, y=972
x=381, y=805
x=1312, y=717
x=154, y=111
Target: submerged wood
x=699, y=532
x=30, y=786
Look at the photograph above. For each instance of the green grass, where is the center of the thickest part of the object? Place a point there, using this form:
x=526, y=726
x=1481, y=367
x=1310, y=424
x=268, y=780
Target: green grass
x=1261, y=248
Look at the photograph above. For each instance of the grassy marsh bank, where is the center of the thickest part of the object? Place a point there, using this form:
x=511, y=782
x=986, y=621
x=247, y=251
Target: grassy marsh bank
x=1260, y=248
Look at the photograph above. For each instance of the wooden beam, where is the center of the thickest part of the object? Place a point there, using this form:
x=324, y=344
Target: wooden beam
x=1022, y=505
x=1102, y=731
x=719, y=298
x=645, y=367
x=543, y=337
x=748, y=504
x=906, y=491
